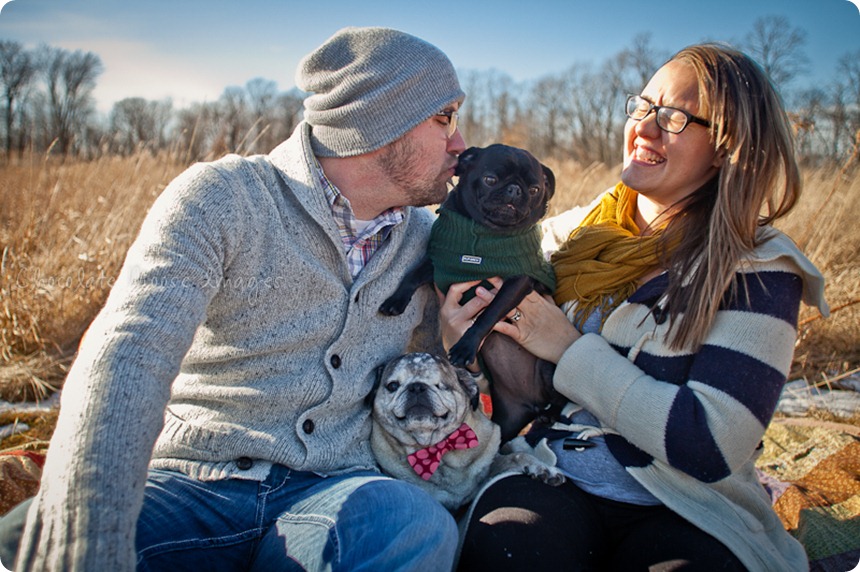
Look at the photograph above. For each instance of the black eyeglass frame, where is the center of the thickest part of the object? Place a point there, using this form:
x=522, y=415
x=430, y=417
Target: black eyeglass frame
x=656, y=109
x=453, y=120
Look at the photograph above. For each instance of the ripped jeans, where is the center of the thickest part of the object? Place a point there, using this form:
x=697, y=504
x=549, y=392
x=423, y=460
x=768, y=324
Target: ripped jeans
x=293, y=520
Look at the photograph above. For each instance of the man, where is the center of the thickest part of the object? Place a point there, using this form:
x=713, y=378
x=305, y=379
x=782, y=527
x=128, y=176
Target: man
x=215, y=417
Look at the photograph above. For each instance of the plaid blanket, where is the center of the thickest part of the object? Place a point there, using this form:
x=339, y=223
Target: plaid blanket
x=812, y=471
x=20, y=472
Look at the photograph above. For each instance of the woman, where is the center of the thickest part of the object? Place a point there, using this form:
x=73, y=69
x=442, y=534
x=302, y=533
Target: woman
x=679, y=305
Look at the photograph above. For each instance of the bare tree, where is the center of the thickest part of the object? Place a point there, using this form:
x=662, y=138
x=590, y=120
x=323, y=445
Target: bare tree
x=594, y=112
x=233, y=111
x=261, y=96
x=17, y=70
x=247, y=120
x=506, y=112
x=32, y=120
x=806, y=119
x=491, y=110
x=548, y=115
x=848, y=69
x=778, y=48
x=826, y=119
x=579, y=114
x=198, y=127
x=499, y=105
x=286, y=113
x=473, y=121
x=70, y=78
x=504, y=108
x=137, y=123
x=642, y=60
x=836, y=113
x=849, y=73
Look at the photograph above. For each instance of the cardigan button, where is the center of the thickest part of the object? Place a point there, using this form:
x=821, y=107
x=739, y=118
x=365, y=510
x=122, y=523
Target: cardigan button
x=335, y=361
x=244, y=463
x=308, y=426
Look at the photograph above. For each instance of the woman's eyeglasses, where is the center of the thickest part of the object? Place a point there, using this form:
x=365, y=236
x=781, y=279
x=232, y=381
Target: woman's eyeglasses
x=669, y=119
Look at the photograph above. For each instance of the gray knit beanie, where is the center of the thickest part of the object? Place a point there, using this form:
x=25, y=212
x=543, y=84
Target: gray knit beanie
x=370, y=86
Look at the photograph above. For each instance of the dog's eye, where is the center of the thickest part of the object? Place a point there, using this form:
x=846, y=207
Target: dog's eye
x=392, y=386
x=490, y=180
x=534, y=190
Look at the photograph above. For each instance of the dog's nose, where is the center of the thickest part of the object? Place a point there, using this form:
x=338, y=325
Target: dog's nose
x=513, y=191
x=417, y=387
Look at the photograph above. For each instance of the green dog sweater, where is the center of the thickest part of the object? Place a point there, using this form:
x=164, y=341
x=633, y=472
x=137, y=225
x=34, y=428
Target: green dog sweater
x=463, y=250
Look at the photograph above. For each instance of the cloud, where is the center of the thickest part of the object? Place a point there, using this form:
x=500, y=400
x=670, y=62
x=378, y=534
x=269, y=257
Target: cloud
x=138, y=69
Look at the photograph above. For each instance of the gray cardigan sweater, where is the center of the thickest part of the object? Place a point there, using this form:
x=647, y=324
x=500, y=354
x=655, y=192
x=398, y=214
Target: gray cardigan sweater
x=234, y=330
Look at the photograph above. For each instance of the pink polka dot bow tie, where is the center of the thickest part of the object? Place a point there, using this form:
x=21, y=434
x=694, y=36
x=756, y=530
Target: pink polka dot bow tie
x=426, y=461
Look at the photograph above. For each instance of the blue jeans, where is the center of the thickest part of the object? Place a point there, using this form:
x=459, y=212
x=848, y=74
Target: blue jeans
x=291, y=521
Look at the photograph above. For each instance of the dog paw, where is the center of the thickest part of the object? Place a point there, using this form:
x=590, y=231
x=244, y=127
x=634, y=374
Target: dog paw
x=393, y=306
x=462, y=353
x=544, y=473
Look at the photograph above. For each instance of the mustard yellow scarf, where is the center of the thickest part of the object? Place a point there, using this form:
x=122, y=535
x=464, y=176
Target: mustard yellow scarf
x=599, y=264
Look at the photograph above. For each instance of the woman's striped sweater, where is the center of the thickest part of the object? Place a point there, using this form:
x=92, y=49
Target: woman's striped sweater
x=689, y=423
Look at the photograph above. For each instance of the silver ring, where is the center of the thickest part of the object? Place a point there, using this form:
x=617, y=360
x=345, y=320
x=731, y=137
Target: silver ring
x=517, y=315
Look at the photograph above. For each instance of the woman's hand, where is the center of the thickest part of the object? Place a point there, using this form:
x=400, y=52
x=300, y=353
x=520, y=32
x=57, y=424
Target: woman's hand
x=456, y=319
x=542, y=328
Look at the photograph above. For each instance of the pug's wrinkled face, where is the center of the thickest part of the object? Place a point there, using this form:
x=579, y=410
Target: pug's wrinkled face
x=504, y=187
x=421, y=399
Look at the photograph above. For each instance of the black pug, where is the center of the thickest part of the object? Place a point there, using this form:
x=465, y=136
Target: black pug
x=488, y=226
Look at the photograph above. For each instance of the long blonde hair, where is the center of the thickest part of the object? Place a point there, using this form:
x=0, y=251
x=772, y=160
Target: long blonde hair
x=758, y=182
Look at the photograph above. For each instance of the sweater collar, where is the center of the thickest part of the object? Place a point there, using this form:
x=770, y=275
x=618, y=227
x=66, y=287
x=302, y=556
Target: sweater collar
x=295, y=161
x=457, y=220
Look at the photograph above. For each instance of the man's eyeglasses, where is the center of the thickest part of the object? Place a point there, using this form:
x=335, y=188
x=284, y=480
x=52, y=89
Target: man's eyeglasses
x=453, y=118
x=669, y=119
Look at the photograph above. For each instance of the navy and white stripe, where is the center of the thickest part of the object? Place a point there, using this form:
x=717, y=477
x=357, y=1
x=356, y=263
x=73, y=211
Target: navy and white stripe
x=696, y=424
x=689, y=423
x=726, y=364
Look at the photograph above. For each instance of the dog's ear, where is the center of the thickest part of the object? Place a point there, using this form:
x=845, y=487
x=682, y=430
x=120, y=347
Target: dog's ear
x=368, y=399
x=549, y=176
x=465, y=160
x=470, y=386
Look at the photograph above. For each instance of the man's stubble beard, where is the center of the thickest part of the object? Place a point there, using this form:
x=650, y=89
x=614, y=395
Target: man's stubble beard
x=399, y=161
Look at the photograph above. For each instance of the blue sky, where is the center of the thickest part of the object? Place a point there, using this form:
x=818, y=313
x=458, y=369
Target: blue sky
x=191, y=50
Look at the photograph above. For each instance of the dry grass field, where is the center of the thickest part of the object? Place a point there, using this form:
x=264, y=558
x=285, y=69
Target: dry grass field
x=65, y=227
x=64, y=231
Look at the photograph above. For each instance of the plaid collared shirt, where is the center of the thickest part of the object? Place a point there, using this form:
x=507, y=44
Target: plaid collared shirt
x=361, y=239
